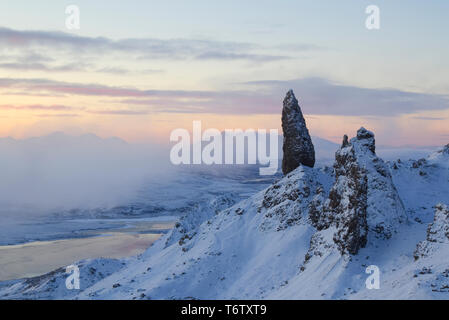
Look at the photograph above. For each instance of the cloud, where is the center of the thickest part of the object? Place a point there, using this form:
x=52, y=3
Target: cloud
x=316, y=95
x=37, y=107
x=59, y=171
x=58, y=115
x=30, y=57
x=236, y=56
x=429, y=118
x=143, y=48
x=120, y=112
x=321, y=96
x=46, y=86
x=119, y=71
x=25, y=66
x=75, y=67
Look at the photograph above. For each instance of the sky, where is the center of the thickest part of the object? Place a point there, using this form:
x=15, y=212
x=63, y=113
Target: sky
x=140, y=69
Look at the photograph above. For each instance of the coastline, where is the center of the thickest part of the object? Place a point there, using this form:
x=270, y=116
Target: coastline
x=39, y=257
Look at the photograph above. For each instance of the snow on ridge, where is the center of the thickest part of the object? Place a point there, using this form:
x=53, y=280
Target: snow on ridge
x=441, y=156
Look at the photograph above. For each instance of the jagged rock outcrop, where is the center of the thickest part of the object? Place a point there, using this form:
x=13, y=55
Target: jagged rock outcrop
x=385, y=209
x=346, y=207
x=437, y=232
x=298, y=147
x=362, y=199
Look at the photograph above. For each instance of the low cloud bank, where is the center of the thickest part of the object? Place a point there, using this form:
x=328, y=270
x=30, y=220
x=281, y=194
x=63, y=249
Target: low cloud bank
x=64, y=172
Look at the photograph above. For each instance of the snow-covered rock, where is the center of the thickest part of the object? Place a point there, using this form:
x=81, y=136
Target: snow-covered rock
x=346, y=207
x=363, y=198
x=437, y=233
x=385, y=211
x=441, y=156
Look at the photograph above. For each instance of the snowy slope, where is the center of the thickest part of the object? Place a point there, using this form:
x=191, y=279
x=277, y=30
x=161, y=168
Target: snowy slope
x=271, y=246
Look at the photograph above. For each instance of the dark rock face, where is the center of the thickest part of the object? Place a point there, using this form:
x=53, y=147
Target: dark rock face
x=344, y=212
x=347, y=204
x=298, y=147
x=363, y=199
x=385, y=208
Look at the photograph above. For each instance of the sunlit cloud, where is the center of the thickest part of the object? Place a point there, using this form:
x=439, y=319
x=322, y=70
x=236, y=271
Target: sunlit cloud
x=58, y=115
x=316, y=95
x=119, y=112
x=37, y=107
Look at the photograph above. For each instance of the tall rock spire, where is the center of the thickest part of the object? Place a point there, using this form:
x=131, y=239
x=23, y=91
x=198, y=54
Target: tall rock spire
x=298, y=147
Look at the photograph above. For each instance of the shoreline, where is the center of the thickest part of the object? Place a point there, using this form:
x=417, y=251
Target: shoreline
x=36, y=258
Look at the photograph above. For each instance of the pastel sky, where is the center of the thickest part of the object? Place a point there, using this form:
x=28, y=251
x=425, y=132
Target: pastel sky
x=139, y=69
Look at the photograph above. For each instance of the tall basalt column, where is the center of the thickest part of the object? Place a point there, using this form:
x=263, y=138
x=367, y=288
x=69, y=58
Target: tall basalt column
x=298, y=147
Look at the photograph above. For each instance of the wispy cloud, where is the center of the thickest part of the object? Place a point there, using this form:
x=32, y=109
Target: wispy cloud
x=321, y=96
x=120, y=112
x=38, y=107
x=143, y=48
x=429, y=118
x=317, y=96
x=26, y=66
x=214, y=55
x=23, y=64
x=52, y=86
x=58, y=115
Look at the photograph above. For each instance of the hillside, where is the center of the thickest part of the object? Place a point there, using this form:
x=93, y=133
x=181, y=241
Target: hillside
x=310, y=235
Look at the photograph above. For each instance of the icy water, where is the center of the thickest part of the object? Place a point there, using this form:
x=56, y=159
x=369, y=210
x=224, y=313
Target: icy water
x=127, y=238
x=33, y=244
